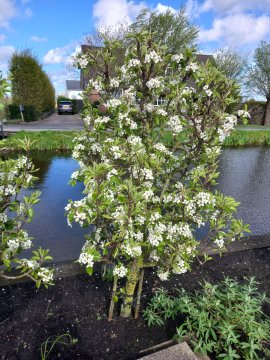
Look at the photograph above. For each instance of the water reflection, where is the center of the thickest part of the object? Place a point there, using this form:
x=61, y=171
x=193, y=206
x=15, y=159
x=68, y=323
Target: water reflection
x=244, y=174
x=49, y=226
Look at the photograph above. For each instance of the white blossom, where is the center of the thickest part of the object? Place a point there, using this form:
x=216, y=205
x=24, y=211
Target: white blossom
x=114, y=82
x=192, y=67
x=163, y=275
x=177, y=57
x=243, y=113
x=113, y=103
x=154, y=83
x=161, y=112
x=175, y=124
x=45, y=274
x=134, y=140
x=86, y=259
x=152, y=56
x=219, y=242
x=149, y=108
x=120, y=271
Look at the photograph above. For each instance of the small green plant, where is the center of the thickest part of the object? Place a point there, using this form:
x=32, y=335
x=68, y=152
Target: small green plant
x=225, y=319
x=48, y=345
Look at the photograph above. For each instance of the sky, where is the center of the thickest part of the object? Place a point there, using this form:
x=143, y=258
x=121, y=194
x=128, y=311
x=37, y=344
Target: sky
x=54, y=29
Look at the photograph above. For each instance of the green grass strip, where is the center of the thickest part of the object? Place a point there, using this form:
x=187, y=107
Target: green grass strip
x=63, y=140
x=248, y=138
x=41, y=140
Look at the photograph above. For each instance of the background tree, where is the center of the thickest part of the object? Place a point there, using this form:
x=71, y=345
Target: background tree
x=169, y=28
x=231, y=63
x=30, y=84
x=258, y=77
x=148, y=170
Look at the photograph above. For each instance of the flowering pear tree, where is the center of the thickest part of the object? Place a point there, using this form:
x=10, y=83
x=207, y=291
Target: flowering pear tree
x=15, y=211
x=149, y=170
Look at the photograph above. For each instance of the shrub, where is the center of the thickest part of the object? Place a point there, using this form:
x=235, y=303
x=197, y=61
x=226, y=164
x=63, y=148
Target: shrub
x=225, y=319
x=146, y=199
x=13, y=112
x=30, y=113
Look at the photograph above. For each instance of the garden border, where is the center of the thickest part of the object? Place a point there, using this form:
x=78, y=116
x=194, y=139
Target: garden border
x=71, y=267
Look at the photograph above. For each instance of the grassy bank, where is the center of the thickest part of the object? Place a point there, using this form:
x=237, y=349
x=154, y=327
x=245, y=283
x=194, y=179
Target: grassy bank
x=238, y=138
x=41, y=140
x=63, y=140
x=248, y=138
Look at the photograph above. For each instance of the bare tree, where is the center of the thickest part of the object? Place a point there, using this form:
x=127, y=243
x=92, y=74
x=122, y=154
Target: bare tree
x=170, y=28
x=231, y=63
x=258, y=78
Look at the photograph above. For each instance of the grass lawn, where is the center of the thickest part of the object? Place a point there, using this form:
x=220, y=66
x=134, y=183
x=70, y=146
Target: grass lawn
x=41, y=140
x=63, y=140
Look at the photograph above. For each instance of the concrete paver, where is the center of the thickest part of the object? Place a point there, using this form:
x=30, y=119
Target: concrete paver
x=177, y=352
x=55, y=122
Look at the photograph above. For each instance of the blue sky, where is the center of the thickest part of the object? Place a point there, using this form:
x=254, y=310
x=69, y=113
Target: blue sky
x=53, y=29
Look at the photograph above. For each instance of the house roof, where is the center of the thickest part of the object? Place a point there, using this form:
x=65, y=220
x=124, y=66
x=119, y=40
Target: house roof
x=202, y=58
x=73, y=85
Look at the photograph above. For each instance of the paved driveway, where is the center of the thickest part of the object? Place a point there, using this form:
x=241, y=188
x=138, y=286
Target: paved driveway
x=54, y=122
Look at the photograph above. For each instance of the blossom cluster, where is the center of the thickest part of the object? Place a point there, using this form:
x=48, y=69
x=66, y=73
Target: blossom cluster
x=147, y=169
x=15, y=176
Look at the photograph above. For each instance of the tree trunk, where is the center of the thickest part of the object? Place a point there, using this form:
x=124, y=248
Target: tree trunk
x=115, y=279
x=266, y=115
x=131, y=282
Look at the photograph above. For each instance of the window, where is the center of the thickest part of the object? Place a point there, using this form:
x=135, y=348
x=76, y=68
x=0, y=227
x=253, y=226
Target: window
x=160, y=101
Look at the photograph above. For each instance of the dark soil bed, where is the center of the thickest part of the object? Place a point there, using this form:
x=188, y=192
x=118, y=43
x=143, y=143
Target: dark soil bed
x=78, y=305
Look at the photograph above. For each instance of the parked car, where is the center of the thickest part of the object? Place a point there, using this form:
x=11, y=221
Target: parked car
x=65, y=107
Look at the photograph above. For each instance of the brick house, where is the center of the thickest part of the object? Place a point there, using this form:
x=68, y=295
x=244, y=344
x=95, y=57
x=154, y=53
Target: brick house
x=84, y=78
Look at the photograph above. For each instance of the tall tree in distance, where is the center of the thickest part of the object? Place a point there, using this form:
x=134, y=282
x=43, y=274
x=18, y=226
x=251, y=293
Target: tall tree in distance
x=231, y=63
x=30, y=84
x=169, y=28
x=258, y=78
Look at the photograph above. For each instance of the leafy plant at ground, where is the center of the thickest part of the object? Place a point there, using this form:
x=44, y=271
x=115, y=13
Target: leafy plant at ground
x=145, y=197
x=48, y=345
x=225, y=319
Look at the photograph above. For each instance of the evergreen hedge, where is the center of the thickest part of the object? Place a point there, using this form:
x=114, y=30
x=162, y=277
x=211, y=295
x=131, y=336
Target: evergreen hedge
x=31, y=85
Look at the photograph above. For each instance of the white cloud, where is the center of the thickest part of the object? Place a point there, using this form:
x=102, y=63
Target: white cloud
x=163, y=8
x=5, y=53
x=28, y=12
x=2, y=37
x=8, y=11
x=38, y=39
x=232, y=6
x=54, y=56
x=237, y=30
x=60, y=54
x=108, y=12
x=193, y=9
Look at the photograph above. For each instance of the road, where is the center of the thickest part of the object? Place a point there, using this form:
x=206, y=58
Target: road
x=54, y=122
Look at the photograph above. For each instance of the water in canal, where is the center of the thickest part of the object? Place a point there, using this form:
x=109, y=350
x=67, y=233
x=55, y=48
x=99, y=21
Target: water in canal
x=244, y=174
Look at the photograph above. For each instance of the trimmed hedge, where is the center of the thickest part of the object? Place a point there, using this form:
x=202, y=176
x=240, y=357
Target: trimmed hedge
x=13, y=112
x=29, y=113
